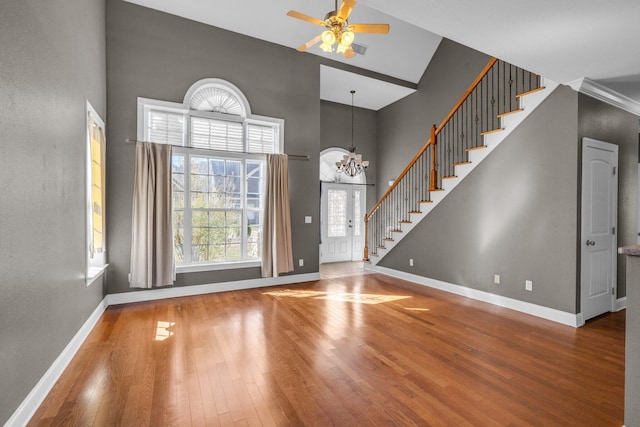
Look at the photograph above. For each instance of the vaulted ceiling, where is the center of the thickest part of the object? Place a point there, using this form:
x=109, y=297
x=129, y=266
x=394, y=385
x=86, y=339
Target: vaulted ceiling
x=564, y=41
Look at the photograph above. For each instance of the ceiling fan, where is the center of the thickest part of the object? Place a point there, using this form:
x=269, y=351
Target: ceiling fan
x=338, y=30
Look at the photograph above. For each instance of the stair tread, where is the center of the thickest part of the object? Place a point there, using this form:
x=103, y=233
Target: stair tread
x=388, y=239
x=415, y=212
x=462, y=163
x=479, y=147
x=425, y=201
x=488, y=132
x=397, y=230
x=507, y=113
x=538, y=89
x=405, y=222
x=437, y=189
x=449, y=176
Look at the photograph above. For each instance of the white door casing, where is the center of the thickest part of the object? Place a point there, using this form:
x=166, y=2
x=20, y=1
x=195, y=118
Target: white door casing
x=599, y=212
x=335, y=247
x=342, y=229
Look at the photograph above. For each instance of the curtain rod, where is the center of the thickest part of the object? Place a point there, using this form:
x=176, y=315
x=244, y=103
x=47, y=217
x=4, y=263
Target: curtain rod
x=292, y=156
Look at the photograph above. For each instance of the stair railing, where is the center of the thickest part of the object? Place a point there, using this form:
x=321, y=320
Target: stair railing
x=492, y=95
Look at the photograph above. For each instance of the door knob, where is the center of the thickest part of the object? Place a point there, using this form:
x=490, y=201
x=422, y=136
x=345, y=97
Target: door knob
x=591, y=243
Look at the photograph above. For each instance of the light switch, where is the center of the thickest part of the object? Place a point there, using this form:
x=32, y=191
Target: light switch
x=307, y=219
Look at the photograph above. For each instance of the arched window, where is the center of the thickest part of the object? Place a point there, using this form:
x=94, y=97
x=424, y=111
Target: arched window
x=217, y=96
x=328, y=170
x=218, y=172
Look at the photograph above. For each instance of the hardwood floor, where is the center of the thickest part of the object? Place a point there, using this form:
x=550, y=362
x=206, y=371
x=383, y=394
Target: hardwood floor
x=336, y=270
x=346, y=351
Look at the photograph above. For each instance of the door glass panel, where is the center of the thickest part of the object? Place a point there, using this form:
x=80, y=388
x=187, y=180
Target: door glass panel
x=337, y=213
x=357, y=213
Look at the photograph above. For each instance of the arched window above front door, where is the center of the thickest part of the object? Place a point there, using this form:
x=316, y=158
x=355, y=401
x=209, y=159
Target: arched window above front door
x=328, y=170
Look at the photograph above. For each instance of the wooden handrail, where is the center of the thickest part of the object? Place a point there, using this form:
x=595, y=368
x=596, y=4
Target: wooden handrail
x=466, y=94
x=430, y=141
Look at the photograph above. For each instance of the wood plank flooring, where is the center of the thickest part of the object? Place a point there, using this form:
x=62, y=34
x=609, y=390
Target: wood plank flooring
x=349, y=350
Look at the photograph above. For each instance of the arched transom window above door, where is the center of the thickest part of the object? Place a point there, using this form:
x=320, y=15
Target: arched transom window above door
x=329, y=172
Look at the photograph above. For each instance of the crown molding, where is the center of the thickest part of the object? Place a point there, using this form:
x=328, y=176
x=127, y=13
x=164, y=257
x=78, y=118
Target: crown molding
x=606, y=95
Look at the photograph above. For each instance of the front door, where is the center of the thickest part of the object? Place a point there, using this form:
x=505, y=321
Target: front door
x=599, y=222
x=341, y=223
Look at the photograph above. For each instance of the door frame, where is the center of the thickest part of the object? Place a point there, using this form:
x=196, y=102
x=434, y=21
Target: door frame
x=601, y=145
x=351, y=187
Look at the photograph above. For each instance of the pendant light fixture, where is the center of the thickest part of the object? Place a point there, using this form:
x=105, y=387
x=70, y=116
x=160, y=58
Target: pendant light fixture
x=352, y=163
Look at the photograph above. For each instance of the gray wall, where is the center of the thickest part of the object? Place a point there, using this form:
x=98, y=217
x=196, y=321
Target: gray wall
x=156, y=55
x=404, y=127
x=53, y=61
x=514, y=215
x=606, y=123
x=335, y=131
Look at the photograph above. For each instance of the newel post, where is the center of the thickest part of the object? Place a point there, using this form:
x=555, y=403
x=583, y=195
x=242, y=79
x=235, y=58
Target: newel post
x=366, y=238
x=433, y=176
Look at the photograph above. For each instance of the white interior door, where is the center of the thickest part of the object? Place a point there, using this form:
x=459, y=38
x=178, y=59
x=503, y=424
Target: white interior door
x=341, y=222
x=599, y=227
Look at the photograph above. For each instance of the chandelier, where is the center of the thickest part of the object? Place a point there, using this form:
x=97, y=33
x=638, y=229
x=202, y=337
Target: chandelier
x=352, y=163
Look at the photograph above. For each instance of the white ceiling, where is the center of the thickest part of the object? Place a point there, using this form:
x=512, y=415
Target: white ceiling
x=562, y=40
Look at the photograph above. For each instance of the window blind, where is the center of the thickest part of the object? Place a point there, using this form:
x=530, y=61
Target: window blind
x=166, y=127
x=216, y=134
x=261, y=139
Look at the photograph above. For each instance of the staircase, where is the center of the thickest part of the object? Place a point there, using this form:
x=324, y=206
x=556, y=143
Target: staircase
x=498, y=100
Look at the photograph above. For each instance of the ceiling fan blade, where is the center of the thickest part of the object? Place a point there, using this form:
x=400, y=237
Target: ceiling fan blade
x=349, y=53
x=302, y=16
x=369, y=28
x=310, y=43
x=345, y=9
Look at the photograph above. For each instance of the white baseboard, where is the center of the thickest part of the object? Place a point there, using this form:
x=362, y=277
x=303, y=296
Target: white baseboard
x=621, y=304
x=184, y=291
x=32, y=402
x=34, y=399
x=554, y=315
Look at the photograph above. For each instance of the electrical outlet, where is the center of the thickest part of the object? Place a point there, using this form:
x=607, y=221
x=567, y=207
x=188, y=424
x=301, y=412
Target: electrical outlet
x=528, y=285
x=410, y=262
x=301, y=262
x=496, y=279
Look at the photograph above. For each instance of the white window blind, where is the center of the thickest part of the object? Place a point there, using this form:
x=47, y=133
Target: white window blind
x=165, y=127
x=261, y=139
x=216, y=135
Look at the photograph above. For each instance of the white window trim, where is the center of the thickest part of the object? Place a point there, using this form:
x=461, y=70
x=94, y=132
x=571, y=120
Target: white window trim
x=146, y=104
x=195, y=268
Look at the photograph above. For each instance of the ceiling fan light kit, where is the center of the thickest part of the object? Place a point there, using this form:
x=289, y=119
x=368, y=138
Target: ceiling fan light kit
x=339, y=35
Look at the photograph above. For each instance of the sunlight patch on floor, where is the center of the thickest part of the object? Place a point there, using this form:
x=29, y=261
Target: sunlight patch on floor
x=337, y=296
x=162, y=330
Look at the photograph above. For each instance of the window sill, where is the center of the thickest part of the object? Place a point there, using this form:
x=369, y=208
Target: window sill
x=94, y=273
x=195, y=268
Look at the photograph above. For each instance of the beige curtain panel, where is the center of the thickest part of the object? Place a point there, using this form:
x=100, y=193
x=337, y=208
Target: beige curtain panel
x=277, y=253
x=152, y=261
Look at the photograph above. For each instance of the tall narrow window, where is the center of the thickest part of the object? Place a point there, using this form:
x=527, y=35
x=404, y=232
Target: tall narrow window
x=96, y=243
